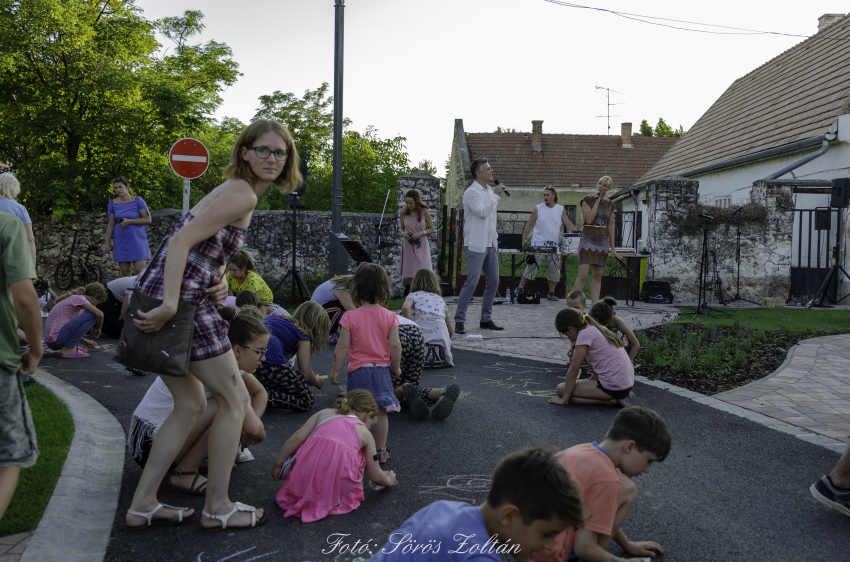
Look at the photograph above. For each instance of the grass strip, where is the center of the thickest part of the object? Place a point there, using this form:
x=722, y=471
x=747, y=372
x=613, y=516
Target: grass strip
x=54, y=429
x=784, y=320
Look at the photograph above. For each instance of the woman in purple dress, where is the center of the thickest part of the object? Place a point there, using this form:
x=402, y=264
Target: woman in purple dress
x=416, y=225
x=131, y=249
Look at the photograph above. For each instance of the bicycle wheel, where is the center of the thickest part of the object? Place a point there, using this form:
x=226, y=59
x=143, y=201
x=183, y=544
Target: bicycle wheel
x=64, y=275
x=93, y=273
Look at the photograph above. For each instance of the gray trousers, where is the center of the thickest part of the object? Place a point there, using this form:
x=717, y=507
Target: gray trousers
x=475, y=262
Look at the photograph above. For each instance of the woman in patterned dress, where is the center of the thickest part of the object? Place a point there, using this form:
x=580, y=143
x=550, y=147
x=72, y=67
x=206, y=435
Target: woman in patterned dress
x=597, y=238
x=194, y=257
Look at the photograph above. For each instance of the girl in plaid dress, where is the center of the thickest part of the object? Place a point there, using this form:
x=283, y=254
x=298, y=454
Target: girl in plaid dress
x=597, y=238
x=197, y=251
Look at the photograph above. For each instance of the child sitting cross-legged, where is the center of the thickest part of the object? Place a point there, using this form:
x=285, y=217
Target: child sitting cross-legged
x=603, y=473
x=613, y=372
x=331, y=450
x=531, y=501
x=603, y=312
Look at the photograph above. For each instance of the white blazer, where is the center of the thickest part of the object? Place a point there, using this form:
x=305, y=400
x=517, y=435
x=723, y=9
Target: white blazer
x=479, y=217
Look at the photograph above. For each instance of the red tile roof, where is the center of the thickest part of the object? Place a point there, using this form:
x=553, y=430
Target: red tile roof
x=566, y=159
x=795, y=96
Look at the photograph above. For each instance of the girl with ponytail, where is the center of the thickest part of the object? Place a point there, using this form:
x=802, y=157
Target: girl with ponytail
x=603, y=312
x=332, y=448
x=613, y=372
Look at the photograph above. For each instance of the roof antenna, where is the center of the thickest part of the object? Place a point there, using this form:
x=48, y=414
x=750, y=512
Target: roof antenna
x=608, y=92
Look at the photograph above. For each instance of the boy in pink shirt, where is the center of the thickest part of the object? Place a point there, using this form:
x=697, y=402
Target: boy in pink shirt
x=637, y=438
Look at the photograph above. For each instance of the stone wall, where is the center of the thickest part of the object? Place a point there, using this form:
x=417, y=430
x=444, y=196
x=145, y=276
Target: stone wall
x=765, y=244
x=269, y=238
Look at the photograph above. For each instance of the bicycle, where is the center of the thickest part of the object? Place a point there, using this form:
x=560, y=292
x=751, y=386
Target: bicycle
x=88, y=272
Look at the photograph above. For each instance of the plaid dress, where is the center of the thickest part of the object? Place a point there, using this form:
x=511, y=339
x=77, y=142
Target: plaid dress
x=202, y=266
x=594, y=243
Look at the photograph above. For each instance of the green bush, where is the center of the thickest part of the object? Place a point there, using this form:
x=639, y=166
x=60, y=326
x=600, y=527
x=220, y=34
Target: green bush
x=692, y=342
x=642, y=339
x=740, y=359
x=673, y=332
x=759, y=336
x=684, y=361
x=745, y=345
x=710, y=361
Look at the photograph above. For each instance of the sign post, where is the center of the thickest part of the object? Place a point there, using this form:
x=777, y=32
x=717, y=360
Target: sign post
x=189, y=159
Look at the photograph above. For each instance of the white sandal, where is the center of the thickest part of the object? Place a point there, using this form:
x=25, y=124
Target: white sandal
x=236, y=507
x=149, y=516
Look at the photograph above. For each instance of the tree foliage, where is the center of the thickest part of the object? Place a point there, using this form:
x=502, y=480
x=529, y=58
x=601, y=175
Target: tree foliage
x=426, y=166
x=85, y=95
x=370, y=164
x=662, y=129
x=501, y=130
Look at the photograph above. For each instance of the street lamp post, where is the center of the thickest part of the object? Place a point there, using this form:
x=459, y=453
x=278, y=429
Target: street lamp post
x=337, y=255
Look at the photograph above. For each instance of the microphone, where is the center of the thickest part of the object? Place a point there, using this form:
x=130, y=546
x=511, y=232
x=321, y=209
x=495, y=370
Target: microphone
x=497, y=182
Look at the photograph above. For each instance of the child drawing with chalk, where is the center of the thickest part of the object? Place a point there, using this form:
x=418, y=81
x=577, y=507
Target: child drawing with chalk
x=331, y=450
x=577, y=300
x=369, y=336
x=603, y=312
x=613, y=372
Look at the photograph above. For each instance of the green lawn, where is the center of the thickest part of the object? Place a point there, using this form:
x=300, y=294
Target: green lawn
x=787, y=320
x=54, y=429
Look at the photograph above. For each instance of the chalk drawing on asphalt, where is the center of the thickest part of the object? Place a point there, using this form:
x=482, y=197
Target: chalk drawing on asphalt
x=461, y=487
x=233, y=557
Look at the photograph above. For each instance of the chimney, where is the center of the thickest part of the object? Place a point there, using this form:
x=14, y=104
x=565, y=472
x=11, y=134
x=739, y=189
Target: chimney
x=828, y=19
x=626, y=135
x=537, y=136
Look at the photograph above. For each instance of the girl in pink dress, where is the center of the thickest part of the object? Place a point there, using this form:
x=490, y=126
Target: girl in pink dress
x=416, y=226
x=332, y=449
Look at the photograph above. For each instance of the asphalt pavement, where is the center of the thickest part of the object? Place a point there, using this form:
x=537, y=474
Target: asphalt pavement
x=730, y=490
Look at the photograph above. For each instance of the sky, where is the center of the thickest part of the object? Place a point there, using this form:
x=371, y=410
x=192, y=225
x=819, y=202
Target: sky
x=412, y=68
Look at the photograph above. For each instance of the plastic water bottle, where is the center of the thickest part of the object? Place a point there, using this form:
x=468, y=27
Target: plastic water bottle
x=640, y=245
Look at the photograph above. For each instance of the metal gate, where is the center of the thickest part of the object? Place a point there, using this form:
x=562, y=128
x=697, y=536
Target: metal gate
x=816, y=242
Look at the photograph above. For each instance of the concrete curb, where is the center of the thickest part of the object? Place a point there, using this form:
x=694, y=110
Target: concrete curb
x=77, y=523
x=772, y=423
x=773, y=374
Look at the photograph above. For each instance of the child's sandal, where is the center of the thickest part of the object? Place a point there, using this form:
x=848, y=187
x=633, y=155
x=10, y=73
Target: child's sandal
x=383, y=455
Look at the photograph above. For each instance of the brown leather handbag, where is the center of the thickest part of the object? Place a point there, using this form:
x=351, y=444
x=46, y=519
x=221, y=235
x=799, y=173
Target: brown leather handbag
x=166, y=351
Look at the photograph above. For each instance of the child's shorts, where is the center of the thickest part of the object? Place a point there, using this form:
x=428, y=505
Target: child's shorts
x=615, y=394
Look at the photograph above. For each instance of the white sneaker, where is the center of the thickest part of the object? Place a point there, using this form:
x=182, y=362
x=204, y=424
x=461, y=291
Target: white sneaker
x=244, y=456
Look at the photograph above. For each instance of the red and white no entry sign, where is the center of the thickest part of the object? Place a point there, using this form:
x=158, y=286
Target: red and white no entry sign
x=189, y=158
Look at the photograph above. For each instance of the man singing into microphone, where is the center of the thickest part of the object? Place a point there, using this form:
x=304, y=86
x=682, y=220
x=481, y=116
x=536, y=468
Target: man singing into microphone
x=546, y=220
x=479, y=242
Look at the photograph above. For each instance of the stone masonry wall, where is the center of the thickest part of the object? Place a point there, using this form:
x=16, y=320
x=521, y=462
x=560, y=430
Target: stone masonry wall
x=765, y=245
x=269, y=238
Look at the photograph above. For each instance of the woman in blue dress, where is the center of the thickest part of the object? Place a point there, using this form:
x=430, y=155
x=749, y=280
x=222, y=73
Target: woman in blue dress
x=131, y=213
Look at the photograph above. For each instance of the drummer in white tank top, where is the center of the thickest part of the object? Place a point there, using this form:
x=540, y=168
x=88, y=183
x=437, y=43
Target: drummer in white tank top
x=546, y=221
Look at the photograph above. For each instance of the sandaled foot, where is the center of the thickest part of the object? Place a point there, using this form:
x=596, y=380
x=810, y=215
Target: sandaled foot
x=383, y=455
x=162, y=514
x=184, y=483
x=417, y=406
x=78, y=353
x=445, y=404
x=240, y=517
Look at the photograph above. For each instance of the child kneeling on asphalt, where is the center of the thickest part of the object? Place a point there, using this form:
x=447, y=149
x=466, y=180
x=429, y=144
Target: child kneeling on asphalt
x=637, y=438
x=530, y=502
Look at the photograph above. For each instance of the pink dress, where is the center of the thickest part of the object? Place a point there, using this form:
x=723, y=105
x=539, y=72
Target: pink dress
x=328, y=476
x=417, y=255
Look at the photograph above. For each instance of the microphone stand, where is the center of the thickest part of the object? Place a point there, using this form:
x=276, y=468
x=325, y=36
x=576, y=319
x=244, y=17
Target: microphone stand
x=738, y=296
x=380, y=243
x=702, y=300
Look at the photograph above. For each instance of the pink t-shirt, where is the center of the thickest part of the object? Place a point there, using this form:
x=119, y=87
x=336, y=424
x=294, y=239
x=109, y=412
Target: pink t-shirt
x=600, y=487
x=370, y=328
x=65, y=310
x=610, y=363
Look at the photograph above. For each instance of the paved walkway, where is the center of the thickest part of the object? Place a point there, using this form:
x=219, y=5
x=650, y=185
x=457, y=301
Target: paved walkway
x=812, y=390
x=530, y=328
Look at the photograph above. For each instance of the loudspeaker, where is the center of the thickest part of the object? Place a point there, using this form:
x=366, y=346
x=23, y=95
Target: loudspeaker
x=840, y=192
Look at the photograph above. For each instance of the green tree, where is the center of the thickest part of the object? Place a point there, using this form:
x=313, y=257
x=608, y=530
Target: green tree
x=645, y=129
x=426, y=166
x=501, y=130
x=85, y=95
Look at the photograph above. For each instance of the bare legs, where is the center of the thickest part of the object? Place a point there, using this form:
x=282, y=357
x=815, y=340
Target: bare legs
x=221, y=376
x=585, y=392
x=8, y=483
x=195, y=449
x=595, y=282
x=382, y=428
x=840, y=475
x=126, y=267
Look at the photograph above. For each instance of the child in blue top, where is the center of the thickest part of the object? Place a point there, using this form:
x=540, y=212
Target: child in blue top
x=530, y=502
x=302, y=335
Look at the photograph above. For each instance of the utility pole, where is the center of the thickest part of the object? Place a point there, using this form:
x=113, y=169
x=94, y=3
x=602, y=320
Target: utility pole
x=608, y=95
x=337, y=255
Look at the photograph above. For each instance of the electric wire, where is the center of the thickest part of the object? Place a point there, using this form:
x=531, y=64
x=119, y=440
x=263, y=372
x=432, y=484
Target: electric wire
x=643, y=19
